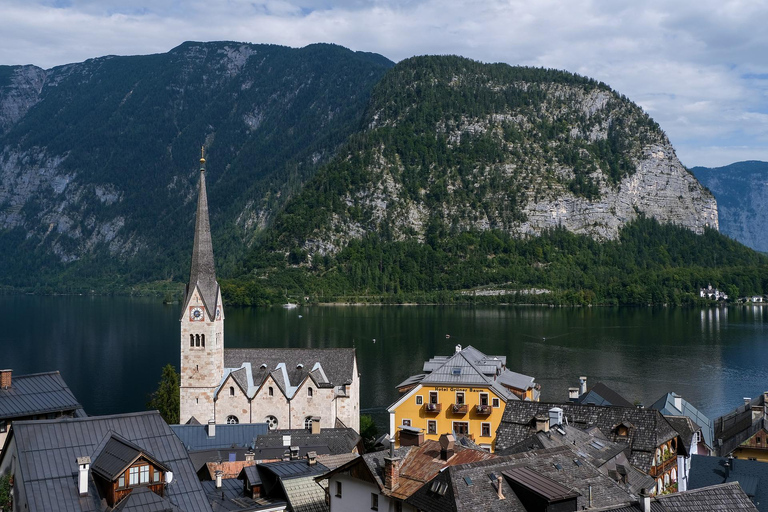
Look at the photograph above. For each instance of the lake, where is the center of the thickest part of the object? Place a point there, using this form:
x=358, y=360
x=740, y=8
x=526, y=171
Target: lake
x=111, y=350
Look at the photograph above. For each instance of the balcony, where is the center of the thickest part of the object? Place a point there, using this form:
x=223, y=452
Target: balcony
x=431, y=408
x=665, y=466
x=483, y=410
x=459, y=409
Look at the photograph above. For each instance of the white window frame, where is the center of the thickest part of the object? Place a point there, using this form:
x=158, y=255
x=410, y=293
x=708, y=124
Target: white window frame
x=453, y=426
x=483, y=424
x=437, y=397
x=495, y=402
x=408, y=424
x=432, y=422
x=487, y=398
x=419, y=399
x=463, y=398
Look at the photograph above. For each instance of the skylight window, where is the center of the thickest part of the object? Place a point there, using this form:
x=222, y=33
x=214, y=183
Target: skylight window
x=558, y=467
x=456, y=370
x=467, y=480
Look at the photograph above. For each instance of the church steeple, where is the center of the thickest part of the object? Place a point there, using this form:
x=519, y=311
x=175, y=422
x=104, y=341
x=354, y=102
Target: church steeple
x=203, y=272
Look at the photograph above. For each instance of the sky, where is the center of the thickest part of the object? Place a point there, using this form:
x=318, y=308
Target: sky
x=699, y=68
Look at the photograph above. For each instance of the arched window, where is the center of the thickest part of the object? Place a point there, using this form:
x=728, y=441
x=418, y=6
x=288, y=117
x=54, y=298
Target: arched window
x=197, y=340
x=271, y=422
x=309, y=392
x=191, y=340
x=308, y=423
x=232, y=420
x=271, y=391
x=202, y=340
x=231, y=391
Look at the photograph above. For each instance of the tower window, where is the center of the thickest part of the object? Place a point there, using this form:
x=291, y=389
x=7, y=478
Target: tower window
x=309, y=392
x=271, y=391
x=232, y=420
x=202, y=340
x=231, y=391
x=197, y=340
x=191, y=340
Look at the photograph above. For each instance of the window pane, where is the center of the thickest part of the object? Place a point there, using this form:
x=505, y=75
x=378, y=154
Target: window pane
x=133, y=476
x=121, y=480
x=155, y=475
x=144, y=475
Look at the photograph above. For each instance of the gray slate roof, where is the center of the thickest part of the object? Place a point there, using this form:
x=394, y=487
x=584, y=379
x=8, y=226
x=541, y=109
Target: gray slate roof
x=231, y=498
x=338, y=440
x=39, y=393
x=337, y=364
x=735, y=427
x=242, y=435
x=203, y=271
x=600, y=394
x=686, y=428
x=752, y=475
x=649, y=429
x=717, y=498
x=666, y=405
x=47, y=451
x=471, y=487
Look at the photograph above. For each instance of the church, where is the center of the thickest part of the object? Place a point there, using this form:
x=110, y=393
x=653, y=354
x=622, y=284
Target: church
x=286, y=388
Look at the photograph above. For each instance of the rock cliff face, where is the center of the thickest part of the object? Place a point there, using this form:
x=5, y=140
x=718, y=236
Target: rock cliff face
x=741, y=190
x=464, y=145
x=98, y=160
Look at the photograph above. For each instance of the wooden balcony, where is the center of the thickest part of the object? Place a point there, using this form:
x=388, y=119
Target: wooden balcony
x=665, y=466
x=430, y=408
x=483, y=410
x=460, y=409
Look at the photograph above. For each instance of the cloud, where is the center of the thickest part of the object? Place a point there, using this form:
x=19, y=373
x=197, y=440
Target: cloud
x=697, y=67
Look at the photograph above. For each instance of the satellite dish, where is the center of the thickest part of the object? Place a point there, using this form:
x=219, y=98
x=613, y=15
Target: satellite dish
x=168, y=477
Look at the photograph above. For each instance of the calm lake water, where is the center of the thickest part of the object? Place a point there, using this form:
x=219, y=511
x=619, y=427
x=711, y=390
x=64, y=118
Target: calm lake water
x=111, y=350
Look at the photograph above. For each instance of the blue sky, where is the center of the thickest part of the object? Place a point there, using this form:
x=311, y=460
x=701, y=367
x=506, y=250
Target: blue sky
x=699, y=68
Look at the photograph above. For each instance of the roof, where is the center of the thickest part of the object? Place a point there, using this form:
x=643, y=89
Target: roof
x=707, y=471
x=116, y=455
x=294, y=469
x=289, y=367
x=338, y=440
x=39, y=393
x=714, y=498
x=686, y=428
x=230, y=497
x=666, y=405
x=539, y=484
x=142, y=499
x=471, y=487
x=648, y=429
x=202, y=274
x=242, y=435
x=48, y=482
x=600, y=394
x=735, y=427
x=304, y=495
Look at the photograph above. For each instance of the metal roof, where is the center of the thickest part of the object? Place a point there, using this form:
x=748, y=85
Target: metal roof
x=39, y=393
x=540, y=484
x=294, y=469
x=242, y=435
x=666, y=405
x=116, y=455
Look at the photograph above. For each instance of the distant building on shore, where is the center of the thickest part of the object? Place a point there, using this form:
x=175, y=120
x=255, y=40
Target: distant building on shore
x=712, y=293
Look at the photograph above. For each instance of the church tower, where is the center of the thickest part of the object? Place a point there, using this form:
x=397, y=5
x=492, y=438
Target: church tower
x=202, y=322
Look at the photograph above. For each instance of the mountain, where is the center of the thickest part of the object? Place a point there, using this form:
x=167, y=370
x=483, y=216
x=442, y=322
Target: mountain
x=98, y=160
x=458, y=145
x=741, y=190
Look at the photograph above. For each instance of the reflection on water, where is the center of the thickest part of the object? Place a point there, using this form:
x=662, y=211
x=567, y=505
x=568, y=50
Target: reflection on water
x=111, y=350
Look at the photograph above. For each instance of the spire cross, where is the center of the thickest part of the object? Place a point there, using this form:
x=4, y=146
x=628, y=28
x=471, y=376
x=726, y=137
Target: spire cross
x=202, y=157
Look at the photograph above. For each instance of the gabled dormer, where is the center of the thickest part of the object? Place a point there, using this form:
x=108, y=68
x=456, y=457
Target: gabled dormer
x=120, y=467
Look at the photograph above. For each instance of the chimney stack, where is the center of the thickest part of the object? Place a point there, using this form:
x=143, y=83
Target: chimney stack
x=211, y=428
x=645, y=500
x=311, y=458
x=458, y=348
x=315, y=427
x=555, y=417
x=542, y=423
x=84, y=465
x=677, y=401
x=218, y=478
x=498, y=487
x=573, y=394
x=446, y=446
x=5, y=378
x=249, y=456
x=391, y=469
x=582, y=385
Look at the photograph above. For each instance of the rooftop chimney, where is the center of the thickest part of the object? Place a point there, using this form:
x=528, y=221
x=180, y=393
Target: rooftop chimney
x=211, y=428
x=446, y=446
x=645, y=500
x=458, y=348
x=311, y=458
x=315, y=427
x=747, y=401
x=391, y=469
x=498, y=487
x=582, y=385
x=294, y=452
x=218, y=478
x=542, y=423
x=84, y=464
x=677, y=401
x=555, y=417
x=573, y=394
x=249, y=456
x=5, y=378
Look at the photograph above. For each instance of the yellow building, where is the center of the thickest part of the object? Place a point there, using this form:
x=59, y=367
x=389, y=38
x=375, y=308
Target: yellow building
x=463, y=394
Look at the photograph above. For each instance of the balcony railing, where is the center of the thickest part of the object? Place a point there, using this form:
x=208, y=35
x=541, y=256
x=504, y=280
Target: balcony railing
x=431, y=408
x=459, y=408
x=662, y=468
x=484, y=409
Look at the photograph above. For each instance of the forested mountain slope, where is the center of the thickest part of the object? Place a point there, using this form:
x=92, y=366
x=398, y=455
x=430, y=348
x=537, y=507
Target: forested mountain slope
x=98, y=160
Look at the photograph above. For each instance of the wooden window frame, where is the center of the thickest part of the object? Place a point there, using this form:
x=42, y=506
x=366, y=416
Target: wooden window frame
x=419, y=399
x=404, y=424
x=487, y=398
x=463, y=398
x=453, y=426
x=432, y=423
x=436, y=395
x=495, y=402
x=483, y=425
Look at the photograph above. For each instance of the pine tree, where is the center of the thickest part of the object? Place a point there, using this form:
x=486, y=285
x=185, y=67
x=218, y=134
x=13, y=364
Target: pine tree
x=166, y=398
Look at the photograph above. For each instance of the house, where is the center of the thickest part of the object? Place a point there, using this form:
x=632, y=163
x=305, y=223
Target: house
x=540, y=480
x=607, y=456
x=599, y=394
x=384, y=480
x=285, y=388
x=672, y=404
x=716, y=498
x=125, y=461
x=653, y=444
x=33, y=397
x=712, y=293
x=751, y=475
x=463, y=394
x=743, y=432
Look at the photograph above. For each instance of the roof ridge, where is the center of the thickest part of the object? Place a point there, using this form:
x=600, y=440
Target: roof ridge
x=51, y=372
x=86, y=418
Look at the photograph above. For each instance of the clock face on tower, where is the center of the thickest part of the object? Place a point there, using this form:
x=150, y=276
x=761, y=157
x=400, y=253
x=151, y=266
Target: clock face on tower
x=196, y=314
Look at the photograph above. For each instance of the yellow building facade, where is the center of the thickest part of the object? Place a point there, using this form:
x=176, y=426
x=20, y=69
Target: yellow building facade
x=464, y=394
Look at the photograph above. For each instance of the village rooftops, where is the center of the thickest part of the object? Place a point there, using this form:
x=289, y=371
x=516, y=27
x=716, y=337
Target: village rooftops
x=716, y=498
x=36, y=394
x=600, y=394
x=196, y=437
x=750, y=474
x=672, y=404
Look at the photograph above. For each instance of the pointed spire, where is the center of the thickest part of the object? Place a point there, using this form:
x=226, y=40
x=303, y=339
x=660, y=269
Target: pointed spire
x=203, y=271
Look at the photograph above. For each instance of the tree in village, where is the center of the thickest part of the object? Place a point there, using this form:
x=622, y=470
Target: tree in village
x=166, y=398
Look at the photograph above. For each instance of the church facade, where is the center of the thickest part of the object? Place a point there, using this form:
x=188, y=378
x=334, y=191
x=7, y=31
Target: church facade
x=286, y=388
